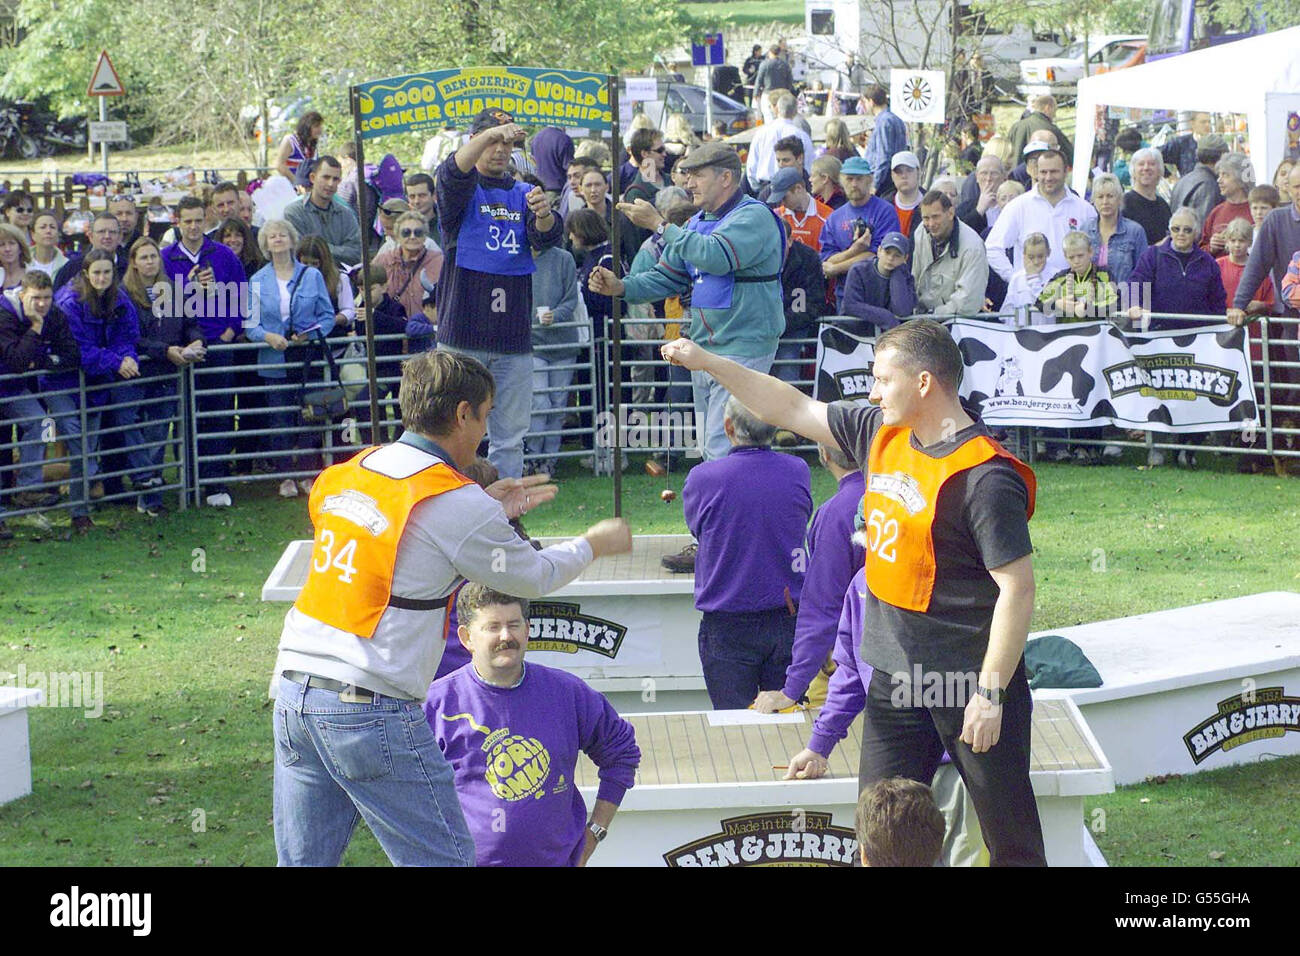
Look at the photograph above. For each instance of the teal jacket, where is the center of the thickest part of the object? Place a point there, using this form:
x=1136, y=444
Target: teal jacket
x=750, y=243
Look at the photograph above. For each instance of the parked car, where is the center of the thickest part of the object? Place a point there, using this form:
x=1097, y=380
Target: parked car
x=688, y=100
x=1060, y=75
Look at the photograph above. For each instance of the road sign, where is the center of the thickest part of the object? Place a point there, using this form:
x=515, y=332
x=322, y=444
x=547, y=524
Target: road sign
x=112, y=131
x=708, y=51
x=105, y=81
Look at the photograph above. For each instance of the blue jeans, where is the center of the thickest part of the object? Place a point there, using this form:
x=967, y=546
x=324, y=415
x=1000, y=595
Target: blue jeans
x=551, y=370
x=792, y=373
x=711, y=404
x=744, y=652
x=156, y=414
x=512, y=372
x=336, y=763
x=65, y=411
x=26, y=412
x=125, y=415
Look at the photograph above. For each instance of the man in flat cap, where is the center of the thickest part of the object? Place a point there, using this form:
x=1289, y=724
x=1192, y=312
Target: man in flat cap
x=490, y=224
x=729, y=257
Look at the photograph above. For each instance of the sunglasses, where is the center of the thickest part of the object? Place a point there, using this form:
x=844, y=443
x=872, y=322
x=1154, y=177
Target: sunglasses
x=413, y=233
x=390, y=212
x=23, y=209
x=659, y=149
x=1181, y=229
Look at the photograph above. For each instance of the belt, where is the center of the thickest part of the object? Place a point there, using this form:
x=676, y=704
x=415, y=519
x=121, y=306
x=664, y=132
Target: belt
x=348, y=693
x=418, y=604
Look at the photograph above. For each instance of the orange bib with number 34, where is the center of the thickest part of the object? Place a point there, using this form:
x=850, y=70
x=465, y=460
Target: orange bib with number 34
x=903, y=486
x=360, y=514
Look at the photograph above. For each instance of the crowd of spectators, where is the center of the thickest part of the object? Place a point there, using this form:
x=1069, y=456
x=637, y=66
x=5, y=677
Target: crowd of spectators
x=873, y=237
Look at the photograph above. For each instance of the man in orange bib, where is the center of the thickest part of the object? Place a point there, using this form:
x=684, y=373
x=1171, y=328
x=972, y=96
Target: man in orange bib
x=949, y=573
x=397, y=528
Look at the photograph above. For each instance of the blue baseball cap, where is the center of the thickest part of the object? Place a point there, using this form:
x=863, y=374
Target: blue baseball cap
x=782, y=180
x=856, y=166
x=896, y=240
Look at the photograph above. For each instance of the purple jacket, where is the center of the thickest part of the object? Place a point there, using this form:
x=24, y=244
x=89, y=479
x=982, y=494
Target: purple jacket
x=832, y=559
x=1194, y=289
x=749, y=512
x=216, y=313
x=103, y=342
x=552, y=152
x=847, y=694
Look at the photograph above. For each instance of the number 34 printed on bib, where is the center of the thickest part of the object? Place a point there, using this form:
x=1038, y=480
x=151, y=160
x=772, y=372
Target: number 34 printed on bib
x=882, y=536
x=342, y=561
x=498, y=239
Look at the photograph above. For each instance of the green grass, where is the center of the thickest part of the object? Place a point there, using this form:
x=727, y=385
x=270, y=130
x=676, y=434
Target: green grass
x=186, y=656
x=748, y=12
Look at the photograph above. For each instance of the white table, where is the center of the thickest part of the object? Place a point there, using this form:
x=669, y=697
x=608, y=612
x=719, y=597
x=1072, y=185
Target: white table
x=702, y=790
x=15, y=744
x=625, y=625
x=1168, y=673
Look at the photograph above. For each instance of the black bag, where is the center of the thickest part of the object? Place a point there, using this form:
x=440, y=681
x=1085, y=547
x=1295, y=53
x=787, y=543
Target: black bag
x=323, y=404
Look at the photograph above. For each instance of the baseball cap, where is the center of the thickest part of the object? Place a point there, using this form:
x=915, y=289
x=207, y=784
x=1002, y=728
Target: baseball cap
x=710, y=154
x=856, y=166
x=784, y=178
x=395, y=206
x=486, y=119
x=1038, y=146
x=896, y=240
x=905, y=158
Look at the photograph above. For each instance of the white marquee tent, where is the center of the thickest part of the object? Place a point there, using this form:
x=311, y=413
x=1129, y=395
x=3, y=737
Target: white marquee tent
x=1259, y=77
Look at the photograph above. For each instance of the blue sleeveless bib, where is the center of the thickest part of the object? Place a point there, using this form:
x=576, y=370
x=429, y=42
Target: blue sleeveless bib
x=712, y=291
x=493, y=237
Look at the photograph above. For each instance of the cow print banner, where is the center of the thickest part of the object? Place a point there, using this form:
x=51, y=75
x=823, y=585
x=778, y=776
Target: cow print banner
x=1076, y=375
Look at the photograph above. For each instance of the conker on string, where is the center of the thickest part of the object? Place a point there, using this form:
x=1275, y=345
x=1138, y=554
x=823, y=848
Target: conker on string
x=667, y=494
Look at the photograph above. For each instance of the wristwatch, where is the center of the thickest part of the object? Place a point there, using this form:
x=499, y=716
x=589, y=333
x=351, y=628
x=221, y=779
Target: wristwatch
x=995, y=695
x=659, y=229
x=597, y=831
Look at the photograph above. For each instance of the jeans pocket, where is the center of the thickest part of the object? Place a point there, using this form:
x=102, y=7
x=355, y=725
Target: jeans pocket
x=358, y=751
x=284, y=751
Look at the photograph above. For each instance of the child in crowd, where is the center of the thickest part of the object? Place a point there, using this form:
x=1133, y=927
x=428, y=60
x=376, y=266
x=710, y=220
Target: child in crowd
x=1240, y=233
x=1027, y=282
x=899, y=824
x=555, y=339
x=389, y=317
x=881, y=290
x=1263, y=200
x=1008, y=191
x=1081, y=290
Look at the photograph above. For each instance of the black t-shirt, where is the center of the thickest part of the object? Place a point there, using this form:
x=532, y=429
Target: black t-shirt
x=979, y=524
x=1151, y=214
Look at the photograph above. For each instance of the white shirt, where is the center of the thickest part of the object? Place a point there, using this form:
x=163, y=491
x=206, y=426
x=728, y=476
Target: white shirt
x=284, y=300
x=1023, y=292
x=761, y=166
x=1032, y=213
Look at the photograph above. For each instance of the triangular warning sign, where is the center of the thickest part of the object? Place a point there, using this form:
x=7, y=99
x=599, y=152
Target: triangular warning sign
x=104, y=81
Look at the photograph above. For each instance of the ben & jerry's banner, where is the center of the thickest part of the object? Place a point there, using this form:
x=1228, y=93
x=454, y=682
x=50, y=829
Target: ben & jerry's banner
x=1075, y=375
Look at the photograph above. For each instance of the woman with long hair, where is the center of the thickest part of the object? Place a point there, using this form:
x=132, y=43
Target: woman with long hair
x=237, y=236
x=300, y=146
x=14, y=256
x=104, y=321
x=47, y=257
x=313, y=251
x=168, y=342
x=838, y=142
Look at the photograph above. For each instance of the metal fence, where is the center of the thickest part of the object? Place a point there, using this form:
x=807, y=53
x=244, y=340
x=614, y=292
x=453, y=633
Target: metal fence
x=225, y=422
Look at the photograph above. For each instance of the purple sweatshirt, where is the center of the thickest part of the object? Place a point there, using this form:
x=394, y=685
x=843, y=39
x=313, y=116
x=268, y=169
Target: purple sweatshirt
x=515, y=750
x=832, y=559
x=749, y=512
x=216, y=312
x=847, y=694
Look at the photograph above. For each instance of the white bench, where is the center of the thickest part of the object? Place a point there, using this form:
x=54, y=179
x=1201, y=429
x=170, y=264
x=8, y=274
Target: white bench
x=1171, y=675
x=694, y=775
x=15, y=745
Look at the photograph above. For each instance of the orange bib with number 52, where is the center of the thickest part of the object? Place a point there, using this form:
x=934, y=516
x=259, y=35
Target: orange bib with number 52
x=903, y=487
x=360, y=514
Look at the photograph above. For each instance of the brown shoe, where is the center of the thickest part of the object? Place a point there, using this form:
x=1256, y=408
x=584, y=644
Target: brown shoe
x=5, y=533
x=683, y=562
x=96, y=491
x=82, y=524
